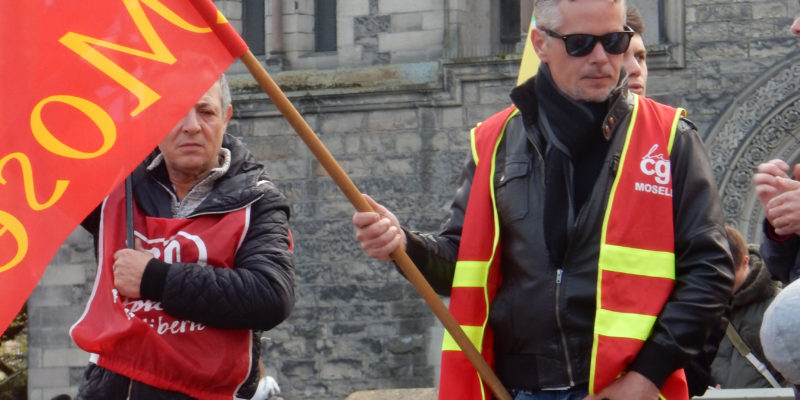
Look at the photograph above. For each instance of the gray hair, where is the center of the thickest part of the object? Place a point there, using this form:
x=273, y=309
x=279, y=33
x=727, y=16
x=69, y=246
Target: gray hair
x=225, y=92
x=548, y=16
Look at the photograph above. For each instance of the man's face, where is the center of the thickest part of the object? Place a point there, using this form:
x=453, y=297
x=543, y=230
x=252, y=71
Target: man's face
x=191, y=149
x=593, y=76
x=635, y=64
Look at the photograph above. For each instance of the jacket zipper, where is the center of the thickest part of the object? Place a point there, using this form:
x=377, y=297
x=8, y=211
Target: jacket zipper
x=559, y=276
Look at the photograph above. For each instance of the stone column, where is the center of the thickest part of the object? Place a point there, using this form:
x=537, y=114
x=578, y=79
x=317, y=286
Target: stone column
x=276, y=58
x=276, y=12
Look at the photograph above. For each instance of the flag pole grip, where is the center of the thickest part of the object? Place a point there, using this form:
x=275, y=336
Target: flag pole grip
x=352, y=193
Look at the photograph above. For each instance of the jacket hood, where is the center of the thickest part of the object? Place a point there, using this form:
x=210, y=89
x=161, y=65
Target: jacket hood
x=757, y=286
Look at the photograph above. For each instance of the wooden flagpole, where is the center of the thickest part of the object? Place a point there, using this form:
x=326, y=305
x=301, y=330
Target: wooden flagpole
x=352, y=193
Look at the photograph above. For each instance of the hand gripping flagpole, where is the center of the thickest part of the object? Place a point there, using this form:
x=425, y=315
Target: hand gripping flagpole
x=351, y=192
x=129, y=212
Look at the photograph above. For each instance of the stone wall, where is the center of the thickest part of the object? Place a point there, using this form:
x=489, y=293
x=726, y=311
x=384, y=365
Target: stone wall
x=55, y=363
x=400, y=130
x=728, y=45
x=369, y=32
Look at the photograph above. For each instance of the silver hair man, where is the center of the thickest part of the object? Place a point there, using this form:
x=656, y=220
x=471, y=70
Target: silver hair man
x=548, y=16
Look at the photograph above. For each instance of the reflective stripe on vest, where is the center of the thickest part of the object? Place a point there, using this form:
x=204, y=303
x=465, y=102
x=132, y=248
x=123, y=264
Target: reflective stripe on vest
x=477, y=273
x=636, y=267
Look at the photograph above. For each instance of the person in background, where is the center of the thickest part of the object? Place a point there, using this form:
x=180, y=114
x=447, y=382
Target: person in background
x=779, y=195
x=528, y=244
x=179, y=315
x=635, y=61
x=753, y=292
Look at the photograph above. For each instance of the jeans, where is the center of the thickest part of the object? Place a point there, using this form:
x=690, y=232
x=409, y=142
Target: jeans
x=575, y=393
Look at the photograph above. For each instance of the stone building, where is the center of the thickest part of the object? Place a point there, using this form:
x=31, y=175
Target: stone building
x=392, y=89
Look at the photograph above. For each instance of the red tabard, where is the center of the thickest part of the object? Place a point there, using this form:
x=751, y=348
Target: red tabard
x=470, y=305
x=639, y=224
x=135, y=337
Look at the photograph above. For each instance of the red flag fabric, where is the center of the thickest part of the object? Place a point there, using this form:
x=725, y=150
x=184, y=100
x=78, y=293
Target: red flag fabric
x=89, y=88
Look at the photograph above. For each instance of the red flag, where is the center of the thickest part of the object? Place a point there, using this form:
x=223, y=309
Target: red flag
x=89, y=88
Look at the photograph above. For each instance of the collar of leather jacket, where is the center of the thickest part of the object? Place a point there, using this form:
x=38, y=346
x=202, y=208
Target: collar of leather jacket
x=526, y=98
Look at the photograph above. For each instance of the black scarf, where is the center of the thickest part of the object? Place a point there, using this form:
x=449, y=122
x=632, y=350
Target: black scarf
x=574, y=155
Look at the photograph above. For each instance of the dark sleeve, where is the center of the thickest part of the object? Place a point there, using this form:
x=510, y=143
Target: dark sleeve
x=92, y=225
x=698, y=369
x=780, y=254
x=435, y=255
x=703, y=270
x=92, y=221
x=258, y=293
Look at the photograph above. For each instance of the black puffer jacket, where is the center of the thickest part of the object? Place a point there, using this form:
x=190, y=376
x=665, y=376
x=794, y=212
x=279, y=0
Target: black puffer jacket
x=543, y=313
x=257, y=294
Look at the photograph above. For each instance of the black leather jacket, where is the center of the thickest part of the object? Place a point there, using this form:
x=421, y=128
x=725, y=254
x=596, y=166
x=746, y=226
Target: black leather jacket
x=543, y=313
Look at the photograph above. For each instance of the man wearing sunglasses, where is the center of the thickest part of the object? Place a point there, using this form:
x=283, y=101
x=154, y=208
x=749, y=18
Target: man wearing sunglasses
x=585, y=252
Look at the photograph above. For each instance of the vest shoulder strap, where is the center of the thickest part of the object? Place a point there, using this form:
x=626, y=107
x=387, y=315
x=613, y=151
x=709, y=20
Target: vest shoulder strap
x=661, y=116
x=484, y=136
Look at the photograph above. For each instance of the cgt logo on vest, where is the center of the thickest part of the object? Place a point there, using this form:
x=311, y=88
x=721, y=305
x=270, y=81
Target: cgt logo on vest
x=658, y=166
x=181, y=247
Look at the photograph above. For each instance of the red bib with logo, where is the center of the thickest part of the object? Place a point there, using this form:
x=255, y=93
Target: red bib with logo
x=136, y=337
x=636, y=266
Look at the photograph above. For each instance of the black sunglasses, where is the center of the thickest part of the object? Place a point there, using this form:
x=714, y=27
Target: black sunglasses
x=581, y=44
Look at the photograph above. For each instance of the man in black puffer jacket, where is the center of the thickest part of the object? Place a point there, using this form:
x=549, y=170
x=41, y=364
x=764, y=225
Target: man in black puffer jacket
x=179, y=316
